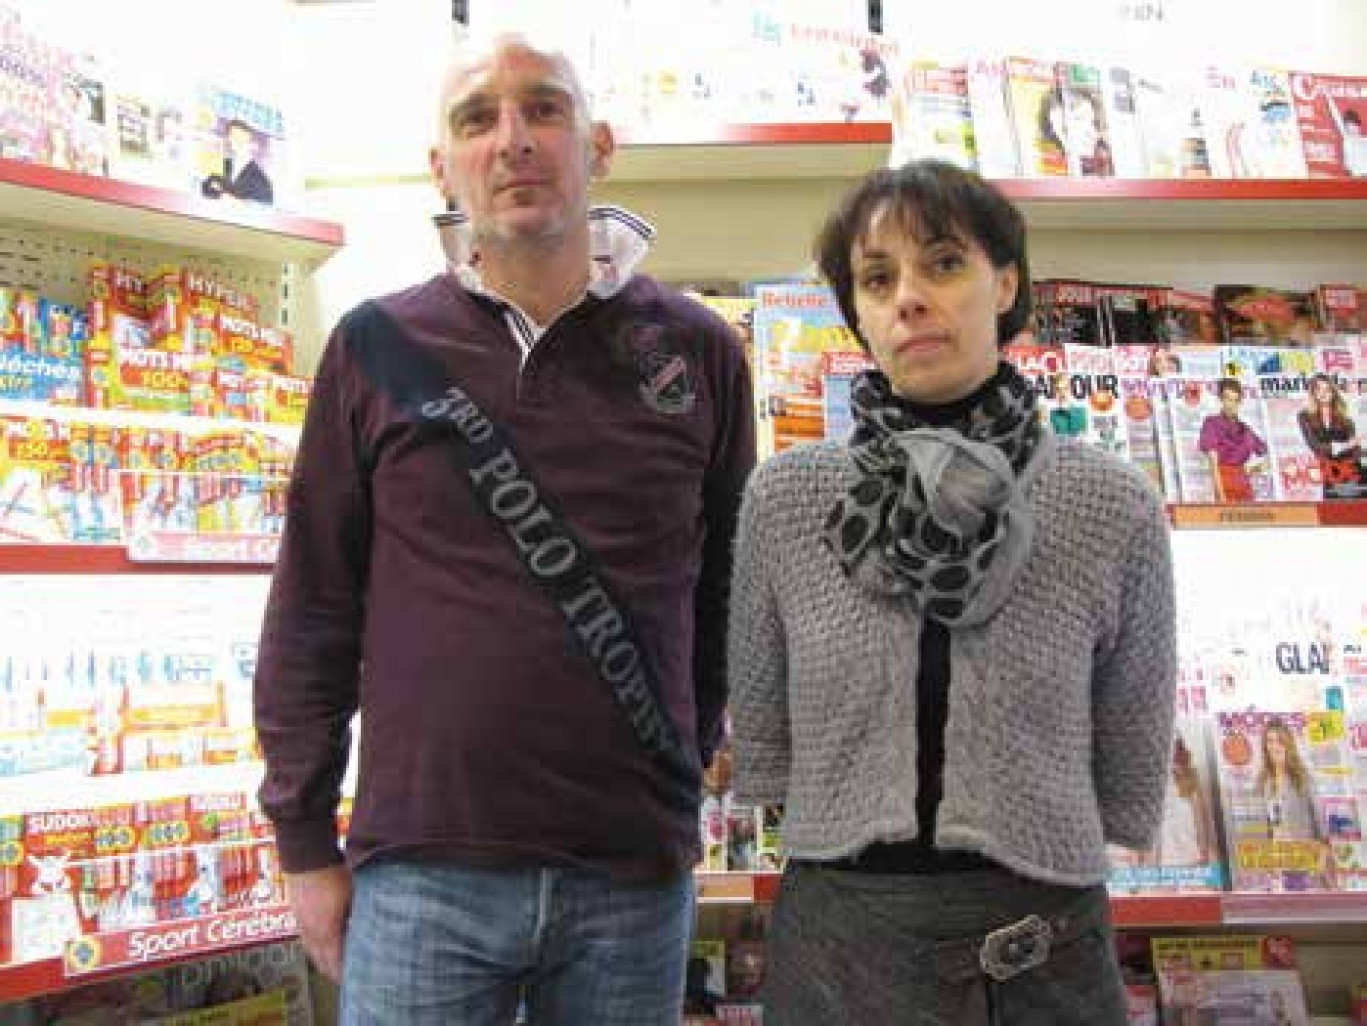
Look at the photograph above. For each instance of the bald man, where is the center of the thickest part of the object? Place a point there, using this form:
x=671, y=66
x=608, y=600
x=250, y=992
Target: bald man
x=508, y=547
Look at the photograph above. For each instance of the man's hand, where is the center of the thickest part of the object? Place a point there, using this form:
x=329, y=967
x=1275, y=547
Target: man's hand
x=320, y=900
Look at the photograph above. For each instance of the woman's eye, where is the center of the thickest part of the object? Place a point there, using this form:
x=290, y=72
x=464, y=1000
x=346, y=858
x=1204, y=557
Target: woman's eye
x=947, y=263
x=873, y=280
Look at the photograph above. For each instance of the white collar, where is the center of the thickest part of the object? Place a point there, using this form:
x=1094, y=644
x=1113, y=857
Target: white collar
x=618, y=241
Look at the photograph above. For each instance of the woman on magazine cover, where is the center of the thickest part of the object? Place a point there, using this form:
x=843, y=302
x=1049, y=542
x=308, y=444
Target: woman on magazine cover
x=952, y=649
x=1232, y=446
x=1329, y=433
x=1284, y=785
x=1071, y=120
x=1187, y=836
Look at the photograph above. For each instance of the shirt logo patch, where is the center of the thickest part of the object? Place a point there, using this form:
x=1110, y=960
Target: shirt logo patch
x=665, y=381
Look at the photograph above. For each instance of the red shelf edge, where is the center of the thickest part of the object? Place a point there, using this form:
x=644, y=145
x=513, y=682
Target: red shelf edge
x=1166, y=910
x=1189, y=190
x=103, y=559
x=168, y=201
x=25, y=980
x=1246, y=908
x=797, y=133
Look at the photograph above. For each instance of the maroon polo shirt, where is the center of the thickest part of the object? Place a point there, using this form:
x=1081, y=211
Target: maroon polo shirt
x=486, y=737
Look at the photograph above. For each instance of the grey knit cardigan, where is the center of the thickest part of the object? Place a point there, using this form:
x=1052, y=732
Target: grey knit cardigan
x=1060, y=705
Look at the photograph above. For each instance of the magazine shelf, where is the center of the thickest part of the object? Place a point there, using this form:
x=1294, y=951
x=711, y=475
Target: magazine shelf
x=1165, y=911
x=1160, y=911
x=52, y=224
x=68, y=200
x=1310, y=908
x=789, y=152
x=1237, y=516
x=104, y=956
x=113, y=559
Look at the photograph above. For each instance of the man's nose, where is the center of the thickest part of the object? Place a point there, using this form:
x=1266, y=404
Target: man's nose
x=514, y=138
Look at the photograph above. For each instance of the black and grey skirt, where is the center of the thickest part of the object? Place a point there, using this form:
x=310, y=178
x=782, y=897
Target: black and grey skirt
x=984, y=947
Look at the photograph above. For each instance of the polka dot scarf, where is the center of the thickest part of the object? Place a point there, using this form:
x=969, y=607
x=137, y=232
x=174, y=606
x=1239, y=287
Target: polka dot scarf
x=938, y=514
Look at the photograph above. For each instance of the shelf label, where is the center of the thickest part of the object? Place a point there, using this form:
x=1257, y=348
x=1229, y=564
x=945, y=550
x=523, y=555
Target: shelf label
x=175, y=940
x=196, y=547
x=1278, y=514
x=725, y=887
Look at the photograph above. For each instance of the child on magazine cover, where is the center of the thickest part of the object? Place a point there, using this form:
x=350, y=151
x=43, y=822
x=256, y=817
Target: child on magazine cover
x=1233, y=447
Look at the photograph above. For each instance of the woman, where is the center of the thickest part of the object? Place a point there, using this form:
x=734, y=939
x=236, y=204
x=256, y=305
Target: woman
x=1071, y=123
x=1234, y=449
x=1330, y=434
x=951, y=654
x=1284, y=785
x=1187, y=834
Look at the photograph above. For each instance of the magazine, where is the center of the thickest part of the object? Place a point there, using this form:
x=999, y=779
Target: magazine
x=1291, y=815
x=1127, y=145
x=1220, y=434
x=930, y=115
x=1331, y=115
x=993, y=136
x=1232, y=978
x=797, y=328
x=1186, y=856
x=239, y=149
x=1297, y=471
x=1036, y=111
x=1140, y=408
x=1259, y=315
x=1078, y=119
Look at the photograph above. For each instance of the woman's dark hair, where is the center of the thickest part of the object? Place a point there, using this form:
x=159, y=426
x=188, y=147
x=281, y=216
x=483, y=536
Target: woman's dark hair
x=935, y=200
x=1044, y=123
x=1229, y=385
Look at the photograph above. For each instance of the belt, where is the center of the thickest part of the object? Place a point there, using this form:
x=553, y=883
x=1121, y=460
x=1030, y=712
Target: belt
x=911, y=857
x=1012, y=949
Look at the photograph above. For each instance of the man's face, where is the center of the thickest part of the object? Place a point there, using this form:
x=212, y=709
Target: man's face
x=517, y=150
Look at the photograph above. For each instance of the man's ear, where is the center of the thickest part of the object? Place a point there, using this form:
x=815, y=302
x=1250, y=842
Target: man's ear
x=602, y=145
x=438, y=168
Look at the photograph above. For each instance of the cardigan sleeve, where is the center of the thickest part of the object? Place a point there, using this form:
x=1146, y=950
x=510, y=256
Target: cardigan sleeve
x=762, y=750
x=1134, y=687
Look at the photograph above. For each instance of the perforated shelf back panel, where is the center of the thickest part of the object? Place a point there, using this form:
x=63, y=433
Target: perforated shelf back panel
x=55, y=263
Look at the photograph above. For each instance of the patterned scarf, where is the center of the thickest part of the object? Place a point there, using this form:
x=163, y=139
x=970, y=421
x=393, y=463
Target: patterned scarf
x=938, y=513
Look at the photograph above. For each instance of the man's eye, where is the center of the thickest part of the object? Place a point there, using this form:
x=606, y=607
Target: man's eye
x=545, y=110
x=475, y=120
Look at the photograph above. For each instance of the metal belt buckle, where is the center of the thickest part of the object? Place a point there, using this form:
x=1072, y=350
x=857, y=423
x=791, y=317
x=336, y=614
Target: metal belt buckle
x=1014, y=949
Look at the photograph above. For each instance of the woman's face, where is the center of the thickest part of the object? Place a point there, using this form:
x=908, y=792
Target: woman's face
x=1276, y=747
x=928, y=309
x=1081, y=123
x=1322, y=393
x=1229, y=402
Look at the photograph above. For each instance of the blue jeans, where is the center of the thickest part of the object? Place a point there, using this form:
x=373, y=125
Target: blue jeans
x=432, y=943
